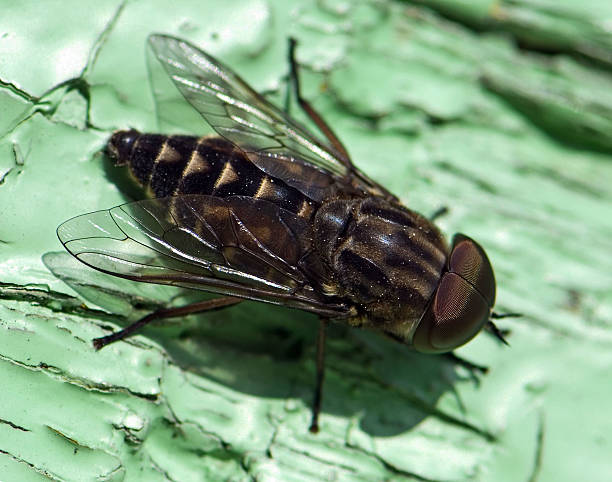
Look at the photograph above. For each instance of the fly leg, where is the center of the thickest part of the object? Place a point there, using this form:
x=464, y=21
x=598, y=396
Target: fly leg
x=313, y=114
x=208, y=305
x=316, y=403
x=438, y=213
x=472, y=367
x=498, y=333
x=340, y=151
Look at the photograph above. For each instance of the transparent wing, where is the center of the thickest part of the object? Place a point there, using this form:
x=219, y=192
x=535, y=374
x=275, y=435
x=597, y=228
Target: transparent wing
x=237, y=246
x=236, y=111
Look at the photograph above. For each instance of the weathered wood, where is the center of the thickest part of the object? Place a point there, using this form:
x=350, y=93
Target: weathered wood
x=516, y=144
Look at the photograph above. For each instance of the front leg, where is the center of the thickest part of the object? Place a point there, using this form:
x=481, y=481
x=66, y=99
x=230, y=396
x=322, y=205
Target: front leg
x=472, y=367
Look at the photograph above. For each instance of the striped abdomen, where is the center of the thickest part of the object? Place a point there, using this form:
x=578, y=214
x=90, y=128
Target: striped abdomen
x=386, y=259
x=174, y=165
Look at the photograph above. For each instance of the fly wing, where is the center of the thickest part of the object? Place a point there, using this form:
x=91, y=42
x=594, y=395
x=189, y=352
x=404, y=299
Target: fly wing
x=236, y=246
x=236, y=111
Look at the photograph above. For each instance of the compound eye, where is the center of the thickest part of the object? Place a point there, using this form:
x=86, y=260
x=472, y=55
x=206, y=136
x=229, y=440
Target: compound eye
x=470, y=261
x=456, y=314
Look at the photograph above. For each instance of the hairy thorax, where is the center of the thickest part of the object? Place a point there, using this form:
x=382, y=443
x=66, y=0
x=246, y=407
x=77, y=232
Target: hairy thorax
x=387, y=260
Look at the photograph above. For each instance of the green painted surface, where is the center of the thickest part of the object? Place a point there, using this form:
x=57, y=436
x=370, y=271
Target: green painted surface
x=517, y=144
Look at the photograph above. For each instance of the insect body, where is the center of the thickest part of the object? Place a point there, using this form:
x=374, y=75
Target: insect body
x=268, y=212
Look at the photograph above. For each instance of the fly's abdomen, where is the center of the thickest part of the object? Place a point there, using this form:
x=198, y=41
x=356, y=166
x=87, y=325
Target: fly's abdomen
x=175, y=165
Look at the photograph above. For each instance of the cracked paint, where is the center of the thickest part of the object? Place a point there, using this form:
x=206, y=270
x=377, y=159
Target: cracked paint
x=425, y=105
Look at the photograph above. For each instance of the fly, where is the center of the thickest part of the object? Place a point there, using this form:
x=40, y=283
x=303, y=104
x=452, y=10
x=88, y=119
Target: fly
x=269, y=212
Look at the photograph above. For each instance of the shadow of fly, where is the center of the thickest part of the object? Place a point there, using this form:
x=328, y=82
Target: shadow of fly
x=267, y=211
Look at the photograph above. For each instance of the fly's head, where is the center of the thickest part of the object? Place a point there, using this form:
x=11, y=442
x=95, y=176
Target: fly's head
x=462, y=303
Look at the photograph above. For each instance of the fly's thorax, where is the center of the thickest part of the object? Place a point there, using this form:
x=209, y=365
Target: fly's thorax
x=385, y=259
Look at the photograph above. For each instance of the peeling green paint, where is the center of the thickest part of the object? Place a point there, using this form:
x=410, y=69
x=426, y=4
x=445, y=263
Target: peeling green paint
x=516, y=143
x=566, y=26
